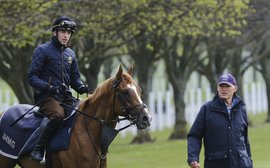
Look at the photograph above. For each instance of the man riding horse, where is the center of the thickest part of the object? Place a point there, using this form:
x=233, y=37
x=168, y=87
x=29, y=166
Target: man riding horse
x=54, y=69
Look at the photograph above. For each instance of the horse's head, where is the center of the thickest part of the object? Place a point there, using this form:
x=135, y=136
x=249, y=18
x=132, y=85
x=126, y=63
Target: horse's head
x=128, y=97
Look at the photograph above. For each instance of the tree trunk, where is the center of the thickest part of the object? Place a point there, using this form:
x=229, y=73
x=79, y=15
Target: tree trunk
x=180, y=127
x=265, y=64
x=178, y=68
x=14, y=71
x=144, y=59
x=91, y=72
x=143, y=136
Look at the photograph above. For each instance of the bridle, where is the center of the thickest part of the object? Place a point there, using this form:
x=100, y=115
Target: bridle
x=127, y=111
x=127, y=114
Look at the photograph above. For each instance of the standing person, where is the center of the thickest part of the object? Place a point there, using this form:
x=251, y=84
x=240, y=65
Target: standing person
x=54, y=69
x=223, y=126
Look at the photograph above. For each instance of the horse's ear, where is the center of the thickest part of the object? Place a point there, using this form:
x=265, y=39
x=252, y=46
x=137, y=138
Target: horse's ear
x=119, y=73
x=130, y=70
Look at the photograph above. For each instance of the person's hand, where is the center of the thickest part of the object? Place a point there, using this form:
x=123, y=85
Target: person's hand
x=63, y=87
x=194, y=164
x=53, y=90
x=83, y=89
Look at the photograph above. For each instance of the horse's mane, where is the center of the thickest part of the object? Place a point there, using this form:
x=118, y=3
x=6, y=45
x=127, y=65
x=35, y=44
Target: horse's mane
x=103, y=88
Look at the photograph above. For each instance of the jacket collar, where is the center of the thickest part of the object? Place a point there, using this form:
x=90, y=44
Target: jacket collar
x=219, y=105
x=56, y=43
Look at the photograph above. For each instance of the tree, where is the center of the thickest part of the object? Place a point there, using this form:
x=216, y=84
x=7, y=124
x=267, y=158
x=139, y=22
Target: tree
x=17, y=40
x=257, y=32
x=14, y=70
x=24, y=21
x=261, y=51
x=109, y=26
x=205, y=19
x=138, y=24
x=179, y=66
x=143, y=50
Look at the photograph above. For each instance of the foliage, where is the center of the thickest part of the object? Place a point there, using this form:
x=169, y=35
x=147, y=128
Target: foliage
x=117, y=27
x=22, y=22
x=115, y=23
x=109, y=22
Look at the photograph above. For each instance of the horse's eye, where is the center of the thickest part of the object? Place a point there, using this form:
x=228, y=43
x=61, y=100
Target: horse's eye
x=126, y=92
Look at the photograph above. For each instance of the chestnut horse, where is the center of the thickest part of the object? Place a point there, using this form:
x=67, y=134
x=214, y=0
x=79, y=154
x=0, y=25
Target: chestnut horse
x=117, y=96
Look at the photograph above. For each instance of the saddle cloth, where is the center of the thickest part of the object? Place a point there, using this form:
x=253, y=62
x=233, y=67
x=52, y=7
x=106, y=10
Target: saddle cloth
x=20, y=138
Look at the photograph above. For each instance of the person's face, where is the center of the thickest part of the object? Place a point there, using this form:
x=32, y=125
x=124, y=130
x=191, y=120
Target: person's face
x=226, y=91
x=63, y=36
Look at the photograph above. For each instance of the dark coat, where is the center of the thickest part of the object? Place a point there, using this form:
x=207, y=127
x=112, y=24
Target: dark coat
x=225, y=137
x=53, y=64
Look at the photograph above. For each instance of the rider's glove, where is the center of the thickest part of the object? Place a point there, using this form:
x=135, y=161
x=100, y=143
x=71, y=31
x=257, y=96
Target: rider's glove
x=53, y=90
x=62, y=88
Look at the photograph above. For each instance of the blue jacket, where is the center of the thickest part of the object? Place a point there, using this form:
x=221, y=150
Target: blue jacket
x=225, y=136
x=53, y=64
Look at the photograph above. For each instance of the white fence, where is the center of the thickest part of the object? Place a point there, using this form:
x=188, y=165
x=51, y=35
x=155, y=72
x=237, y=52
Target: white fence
x=161, y=105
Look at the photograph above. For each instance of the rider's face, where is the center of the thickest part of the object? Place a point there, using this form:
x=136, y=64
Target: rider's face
x=63, y=36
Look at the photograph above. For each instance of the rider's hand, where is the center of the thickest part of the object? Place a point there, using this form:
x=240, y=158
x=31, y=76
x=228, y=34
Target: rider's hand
x=63, y=87
x=53, y=90
x=83, y=89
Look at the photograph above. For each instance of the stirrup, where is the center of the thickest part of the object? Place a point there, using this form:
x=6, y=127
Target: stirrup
x=42, y=162
x=43, y=159
x=38, y=153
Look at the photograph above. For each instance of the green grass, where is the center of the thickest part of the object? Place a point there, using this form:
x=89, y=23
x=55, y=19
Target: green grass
x=160, y=154
x=3, y=88
x=173, y=154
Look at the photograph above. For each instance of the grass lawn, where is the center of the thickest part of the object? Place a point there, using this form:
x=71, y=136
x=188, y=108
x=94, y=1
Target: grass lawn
x=173, y=154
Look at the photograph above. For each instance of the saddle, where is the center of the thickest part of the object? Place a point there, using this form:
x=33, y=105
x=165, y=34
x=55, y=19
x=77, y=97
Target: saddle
x=18, y=138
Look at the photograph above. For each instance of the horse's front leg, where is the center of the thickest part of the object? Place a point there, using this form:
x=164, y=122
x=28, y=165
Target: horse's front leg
x=28, y=163
x=103, y=163
x=7, y=162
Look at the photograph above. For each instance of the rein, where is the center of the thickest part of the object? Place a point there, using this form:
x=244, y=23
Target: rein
x=109, y=136
x=103, y=122
x=101, y=155
x=124, y=108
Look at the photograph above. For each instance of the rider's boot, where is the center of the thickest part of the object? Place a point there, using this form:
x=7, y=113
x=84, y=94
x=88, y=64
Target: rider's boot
x=38, y=151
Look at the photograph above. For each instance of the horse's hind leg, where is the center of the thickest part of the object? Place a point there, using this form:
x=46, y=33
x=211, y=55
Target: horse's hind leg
x=7, y=162
x=26, y=162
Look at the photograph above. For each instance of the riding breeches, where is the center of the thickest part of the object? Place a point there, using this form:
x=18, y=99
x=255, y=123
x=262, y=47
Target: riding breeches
x=52, y=109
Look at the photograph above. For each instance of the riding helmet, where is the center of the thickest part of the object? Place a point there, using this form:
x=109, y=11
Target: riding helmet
x=64, y=23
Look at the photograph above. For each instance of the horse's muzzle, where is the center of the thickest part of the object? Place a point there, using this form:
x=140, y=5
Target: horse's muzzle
x=144, y=119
